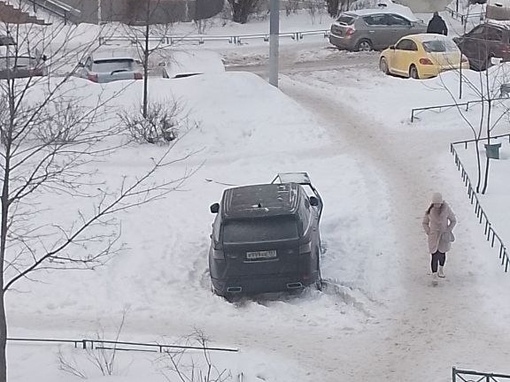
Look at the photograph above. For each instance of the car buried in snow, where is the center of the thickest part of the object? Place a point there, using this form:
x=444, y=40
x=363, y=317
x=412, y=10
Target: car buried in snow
x=265, y=238
x=15, y=63
x=109, y=67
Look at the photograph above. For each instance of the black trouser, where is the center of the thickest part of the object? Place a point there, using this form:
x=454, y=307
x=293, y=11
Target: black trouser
x=437, y=257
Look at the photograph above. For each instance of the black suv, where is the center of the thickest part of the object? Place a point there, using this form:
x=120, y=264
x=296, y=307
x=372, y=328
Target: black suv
x=266, y=237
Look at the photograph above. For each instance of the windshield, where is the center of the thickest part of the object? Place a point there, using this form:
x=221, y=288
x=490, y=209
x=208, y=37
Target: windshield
x=260, y=230
x=109, y=66
x=437, y=46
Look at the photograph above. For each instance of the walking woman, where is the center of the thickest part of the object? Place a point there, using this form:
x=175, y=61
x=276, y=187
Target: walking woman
x=438, y=224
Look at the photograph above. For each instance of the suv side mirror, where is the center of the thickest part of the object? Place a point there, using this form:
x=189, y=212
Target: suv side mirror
x=314, y=201
x=215, y=208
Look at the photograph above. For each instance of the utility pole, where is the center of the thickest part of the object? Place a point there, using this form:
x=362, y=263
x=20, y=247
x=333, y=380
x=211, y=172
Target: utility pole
x=274, y=35
x=99, y=15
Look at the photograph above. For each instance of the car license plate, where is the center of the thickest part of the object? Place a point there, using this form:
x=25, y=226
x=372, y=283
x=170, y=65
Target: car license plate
x=261, y=255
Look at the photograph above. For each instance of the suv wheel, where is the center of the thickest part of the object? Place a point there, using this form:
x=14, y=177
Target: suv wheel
x=413, y=72
x=364, y=46
x=383, y=65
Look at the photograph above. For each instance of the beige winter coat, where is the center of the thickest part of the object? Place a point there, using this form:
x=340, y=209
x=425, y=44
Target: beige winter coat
x=438, y=225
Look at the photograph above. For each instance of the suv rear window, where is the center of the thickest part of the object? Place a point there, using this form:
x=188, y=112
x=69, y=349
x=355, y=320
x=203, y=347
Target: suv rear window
x=259, y=230
x=345, y=19
x=112, y=65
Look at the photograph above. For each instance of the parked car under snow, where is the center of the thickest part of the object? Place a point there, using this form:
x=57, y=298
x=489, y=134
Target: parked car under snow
x=108, y=67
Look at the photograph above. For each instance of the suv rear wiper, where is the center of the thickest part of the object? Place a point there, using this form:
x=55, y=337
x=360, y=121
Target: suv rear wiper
x=118, y=71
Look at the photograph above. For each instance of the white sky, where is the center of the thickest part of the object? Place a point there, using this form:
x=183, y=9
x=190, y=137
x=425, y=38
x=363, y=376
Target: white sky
x=350, y=129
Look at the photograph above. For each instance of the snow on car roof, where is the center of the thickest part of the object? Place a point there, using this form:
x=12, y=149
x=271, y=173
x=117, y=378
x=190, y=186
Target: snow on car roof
x=501, y=23
x=113, y=58
x=424, y=37
x=392, y=9
x=182, y=63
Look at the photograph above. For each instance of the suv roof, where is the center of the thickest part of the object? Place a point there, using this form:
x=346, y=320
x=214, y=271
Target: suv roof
x=260, y=200
x=365, y=12
x=404, y=12
x=115, y=58
x=504, y=24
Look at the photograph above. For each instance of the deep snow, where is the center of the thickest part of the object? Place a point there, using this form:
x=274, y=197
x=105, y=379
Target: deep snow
x=350, y=129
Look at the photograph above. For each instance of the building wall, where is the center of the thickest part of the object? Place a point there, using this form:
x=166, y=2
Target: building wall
x=133, y=11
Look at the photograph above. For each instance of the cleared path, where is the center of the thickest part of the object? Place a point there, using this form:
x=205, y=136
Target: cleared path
x=422, y=335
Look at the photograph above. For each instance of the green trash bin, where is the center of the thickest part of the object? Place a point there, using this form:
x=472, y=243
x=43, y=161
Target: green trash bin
x=492, y=150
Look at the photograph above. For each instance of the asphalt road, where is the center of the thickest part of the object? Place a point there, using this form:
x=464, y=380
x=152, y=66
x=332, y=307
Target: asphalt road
x=297, y=59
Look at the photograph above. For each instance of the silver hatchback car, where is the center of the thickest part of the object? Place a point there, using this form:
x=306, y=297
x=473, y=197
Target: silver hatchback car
x=103, y=69
x=368, y=29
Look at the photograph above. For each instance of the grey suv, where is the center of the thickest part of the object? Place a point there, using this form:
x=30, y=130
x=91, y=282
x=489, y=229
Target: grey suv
x=265, y=238
x=368, y=29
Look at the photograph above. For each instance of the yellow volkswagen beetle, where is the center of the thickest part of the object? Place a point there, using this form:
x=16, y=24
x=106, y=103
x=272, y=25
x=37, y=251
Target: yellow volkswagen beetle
x=422, y=56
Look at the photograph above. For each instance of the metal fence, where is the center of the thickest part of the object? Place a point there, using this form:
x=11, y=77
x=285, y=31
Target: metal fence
x=201, y=39
x=463, y=17
x=416, y=110
x=489, y=231
x=475, y=376
x=119, y=345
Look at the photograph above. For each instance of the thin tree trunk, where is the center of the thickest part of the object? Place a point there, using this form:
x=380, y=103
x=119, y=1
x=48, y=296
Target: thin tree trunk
x=487, y=161
x=479, y=135
x=3, y=336
x=486, y=175
x=3, y=240
x=146, y=62
x=4, y=200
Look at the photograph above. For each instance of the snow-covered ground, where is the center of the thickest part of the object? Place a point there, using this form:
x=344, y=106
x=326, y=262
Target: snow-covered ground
x=350, y=129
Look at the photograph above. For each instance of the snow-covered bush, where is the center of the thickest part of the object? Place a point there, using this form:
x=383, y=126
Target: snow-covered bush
x=159, y=126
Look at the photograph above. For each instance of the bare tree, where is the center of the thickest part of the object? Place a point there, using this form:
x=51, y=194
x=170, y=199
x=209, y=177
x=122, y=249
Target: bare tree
x=49, y=139
x=148, y=39
x=241, y=9
x=182, y=365
x=492, y=112
x=102, y=356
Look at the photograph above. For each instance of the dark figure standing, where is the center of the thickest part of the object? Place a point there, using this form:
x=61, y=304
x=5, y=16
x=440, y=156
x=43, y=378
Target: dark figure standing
x=437, y=25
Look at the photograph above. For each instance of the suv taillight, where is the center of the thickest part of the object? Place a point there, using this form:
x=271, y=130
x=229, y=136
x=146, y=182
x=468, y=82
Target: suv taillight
x=138, y=76
x=349, y=31
x=92, y=77
x=305, y=249
x=218, y=254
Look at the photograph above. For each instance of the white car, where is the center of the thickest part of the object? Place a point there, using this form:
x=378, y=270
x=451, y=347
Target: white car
x=192, y=62
x=16, y=64
x=103, y=69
